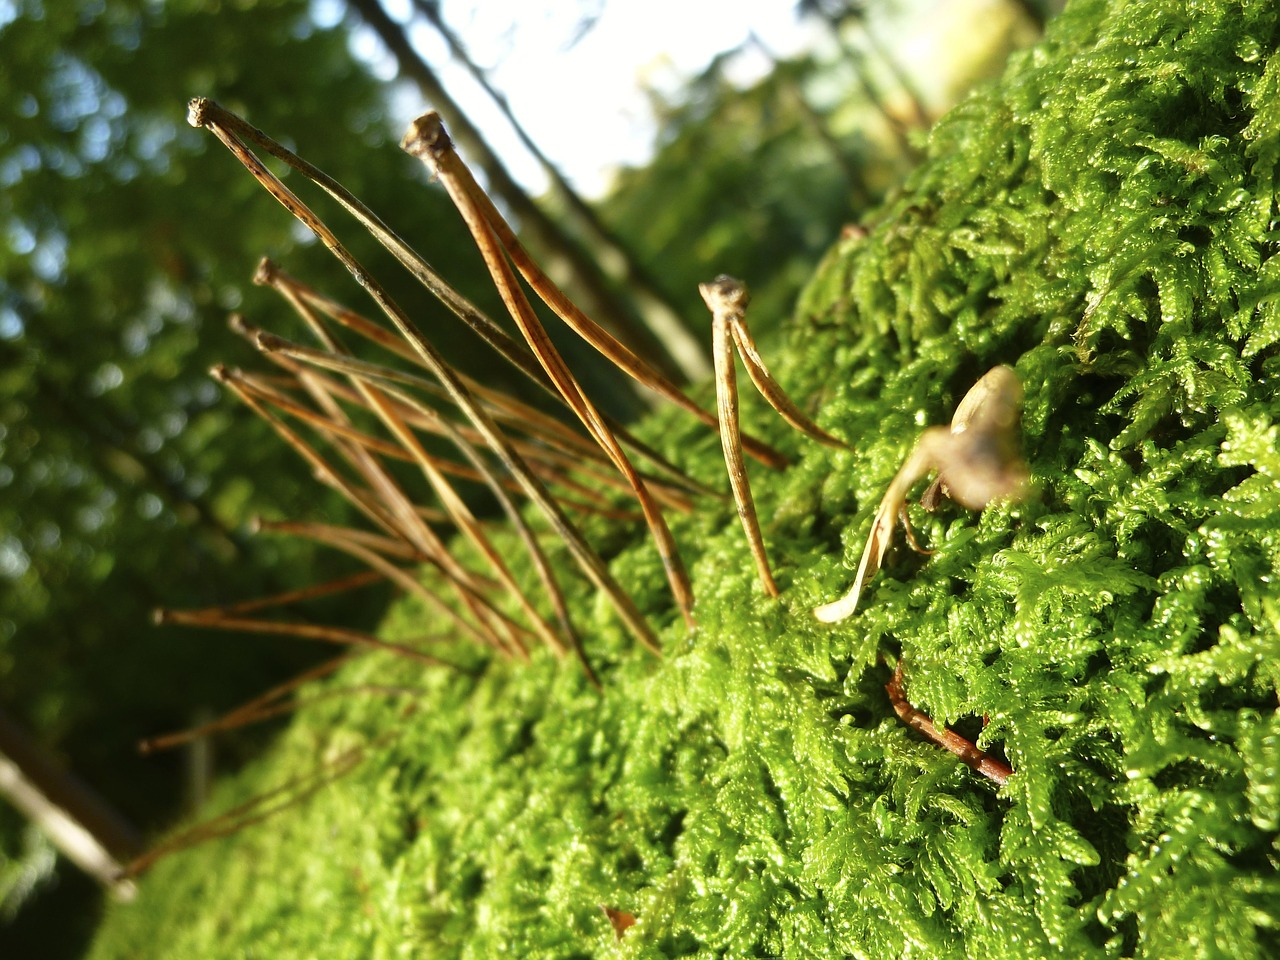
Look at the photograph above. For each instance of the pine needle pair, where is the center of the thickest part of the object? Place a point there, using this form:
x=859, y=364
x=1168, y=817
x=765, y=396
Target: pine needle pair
x=727, y=300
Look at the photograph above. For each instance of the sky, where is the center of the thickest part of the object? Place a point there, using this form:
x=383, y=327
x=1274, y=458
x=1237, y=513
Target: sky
x=582, y=102
x=580, y=93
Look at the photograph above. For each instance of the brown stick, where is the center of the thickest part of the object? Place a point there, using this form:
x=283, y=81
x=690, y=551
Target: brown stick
x=970, y=755
x=352, y=582
x=427, y=140
x=385, y=493
x=255, y=810
x=276, y=346
x=454, y=505
x=338, y=537
x=246, y=713
x=306, y=631
x=769, y=388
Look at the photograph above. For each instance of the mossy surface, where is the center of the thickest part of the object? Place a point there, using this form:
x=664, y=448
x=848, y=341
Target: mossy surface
x=1102, y=220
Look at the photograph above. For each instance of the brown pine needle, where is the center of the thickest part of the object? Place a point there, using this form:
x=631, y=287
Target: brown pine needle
x=344, y=431
x=734, y=297
x=375, y=503
x=268, y=712
x=453, y=504
x=463, y=518
x=541, y=564
x=356, y=580
x=276, y=346
x=305, y=631
x=724, y=300
x=427, y=140
x=338, y=537
x=505, y=408
x=968, y=752
x=503, y=632
x=320, y=467
x=386, y=546
x=402, y=520
x=204, y=113
x=231, y=129
x=249, y=712
x=255, y=810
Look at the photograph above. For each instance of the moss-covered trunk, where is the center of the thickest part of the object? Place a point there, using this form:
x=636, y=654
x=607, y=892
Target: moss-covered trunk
x=1102, y=221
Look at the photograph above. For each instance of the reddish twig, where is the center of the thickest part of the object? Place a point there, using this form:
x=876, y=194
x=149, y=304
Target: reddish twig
x=968, y=752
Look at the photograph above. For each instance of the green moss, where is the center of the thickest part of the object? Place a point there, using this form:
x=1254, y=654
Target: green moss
x=1102, y=220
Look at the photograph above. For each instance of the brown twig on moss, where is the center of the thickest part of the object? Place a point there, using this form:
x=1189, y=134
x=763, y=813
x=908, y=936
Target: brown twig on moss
x=427, y=140
x=304, y=631
x=255, y=810
x=968, y=752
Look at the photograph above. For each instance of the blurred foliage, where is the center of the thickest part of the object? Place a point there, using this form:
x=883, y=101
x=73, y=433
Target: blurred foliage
x=741, y=184
x=755, y=181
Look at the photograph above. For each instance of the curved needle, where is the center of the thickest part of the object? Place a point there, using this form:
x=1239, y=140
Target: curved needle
x=727, y=300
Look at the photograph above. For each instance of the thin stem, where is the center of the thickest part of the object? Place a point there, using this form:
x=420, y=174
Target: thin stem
x=257, y=809
x=305, y=631
x=246, y=713
x=339, y=538
x=541, y=564
x=364, y=578
x=204, y=113
x=503, y=407
x=276, y=346
x=970, y=755
x=769, y=388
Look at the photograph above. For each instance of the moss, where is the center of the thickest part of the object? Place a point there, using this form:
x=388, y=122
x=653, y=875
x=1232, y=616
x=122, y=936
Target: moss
x=1101, y=219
